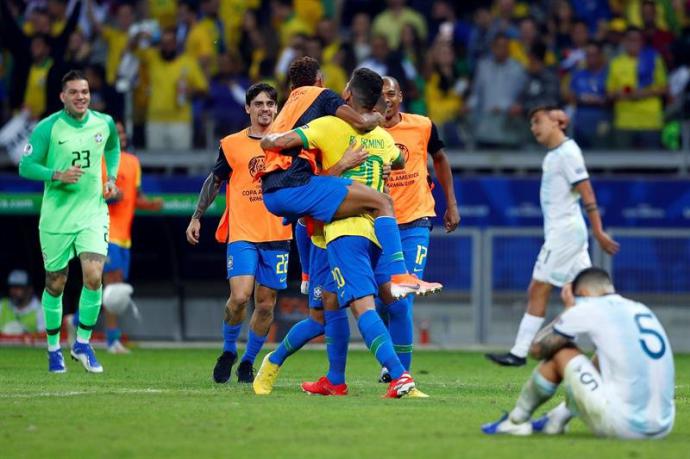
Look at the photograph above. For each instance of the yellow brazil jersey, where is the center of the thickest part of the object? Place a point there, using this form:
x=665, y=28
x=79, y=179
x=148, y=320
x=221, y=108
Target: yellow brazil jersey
x=116, y=41
x=332, y=136
x=35, y=93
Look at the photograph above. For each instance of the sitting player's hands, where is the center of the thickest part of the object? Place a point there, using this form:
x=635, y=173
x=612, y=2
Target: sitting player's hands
x=451, y=219
x=387, y=168
x=567, y=295
x=607, y=243
x=110, y=190
x=71, y=175
x=193, y=231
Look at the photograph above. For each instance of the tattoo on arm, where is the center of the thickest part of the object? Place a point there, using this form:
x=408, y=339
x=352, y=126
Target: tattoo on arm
x=547, y=343
x=591, y=207
x=207, y=195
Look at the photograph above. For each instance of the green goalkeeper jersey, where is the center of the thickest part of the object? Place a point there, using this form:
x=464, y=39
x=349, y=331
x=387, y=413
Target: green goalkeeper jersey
x=59, y=142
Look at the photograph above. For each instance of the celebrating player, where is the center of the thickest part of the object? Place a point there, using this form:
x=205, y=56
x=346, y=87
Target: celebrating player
x=292, y=190
x=352, y=245
x=121, y=208
x=415, y=136
x=258, y=242
x=65, y=151
x=564, y=253
x=625, y=392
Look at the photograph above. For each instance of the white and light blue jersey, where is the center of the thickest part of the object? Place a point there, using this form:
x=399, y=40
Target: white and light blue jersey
x=562, y=169
x=635, y=357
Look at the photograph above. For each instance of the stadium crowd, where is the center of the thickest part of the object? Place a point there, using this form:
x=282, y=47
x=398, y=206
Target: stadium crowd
x=179, y=69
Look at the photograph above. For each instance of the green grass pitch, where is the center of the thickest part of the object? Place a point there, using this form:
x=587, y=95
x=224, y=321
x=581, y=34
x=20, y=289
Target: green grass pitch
x=162, y=403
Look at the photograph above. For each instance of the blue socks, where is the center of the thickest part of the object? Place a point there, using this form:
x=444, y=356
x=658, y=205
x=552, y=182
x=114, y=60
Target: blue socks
x=299, y=335
x=254, y=345
x=303, y=245
x=379, y=342
x=388, y=234
x=337, y=339
x=112, y=335
x=401, y=329
x=230, y=335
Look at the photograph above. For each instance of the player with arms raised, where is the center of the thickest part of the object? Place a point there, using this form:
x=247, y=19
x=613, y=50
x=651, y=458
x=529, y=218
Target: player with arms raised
x=65, y=151
x=626, y=391
x=564, y=181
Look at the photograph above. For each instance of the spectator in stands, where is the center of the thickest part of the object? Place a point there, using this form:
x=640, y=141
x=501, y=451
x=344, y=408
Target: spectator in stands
x=390, y=22
x=163, y=11
x=660, y=40
x=574, y=56
x=57, y=12
x=497, y=83
x=289, y=23
x=479, y=41
x=637, y=84
x=587, y=92
x=445, y=88
x=541, y=86
x=76, y=57
x=613, y=35
x=529, y=35
x=253, y=44
x=115, y=37
x=385, y=62
x=444, y=21
x=560, y=25
x=41, y=62
x=592, y=12
x=226, y=96
x=174, y=79
x=327, y=33
x=19, y=44
x=504, y=21
x=213, y=28
x=21, y=311
x=334, y=76
x=104, y=98
x=361, y=37
x=192, y=35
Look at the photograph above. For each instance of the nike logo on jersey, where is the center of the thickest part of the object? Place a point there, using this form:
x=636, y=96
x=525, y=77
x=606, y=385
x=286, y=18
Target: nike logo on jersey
x=60, y=142
x=283, y=279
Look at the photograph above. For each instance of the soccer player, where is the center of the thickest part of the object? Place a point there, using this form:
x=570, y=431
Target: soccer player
x=121, y=208
x=292, y=190
x=258, y=243
x=626, y=391
x=564, y=181
x=65, y=151
x=415, y=136
x=352, y=245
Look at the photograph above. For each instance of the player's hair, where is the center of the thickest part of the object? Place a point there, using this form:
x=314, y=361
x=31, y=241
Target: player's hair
x=256, y=89
x=541, y=108
x=73, y=75
x=303, y=72
x=593, y=278
x=366, y=86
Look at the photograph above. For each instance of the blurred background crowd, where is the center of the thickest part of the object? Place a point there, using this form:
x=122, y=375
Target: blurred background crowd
x=176, y=70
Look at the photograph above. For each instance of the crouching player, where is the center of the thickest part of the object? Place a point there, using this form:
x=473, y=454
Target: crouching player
x=258, y=242
x=628, y=393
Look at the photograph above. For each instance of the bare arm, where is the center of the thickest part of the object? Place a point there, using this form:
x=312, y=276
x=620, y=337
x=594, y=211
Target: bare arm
x=93, y=21
x=207, y=195
x=548, y=342
x=451, y=219
x=353, y=157
x=360, y=121
x=281, y=141
x=589, y=201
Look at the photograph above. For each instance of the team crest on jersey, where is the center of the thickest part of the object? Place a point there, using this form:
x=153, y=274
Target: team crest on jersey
x=256, y=165
x=404, y=150
x=98, y=138
x=231, y=263
x=318, y=292
x=28, y=149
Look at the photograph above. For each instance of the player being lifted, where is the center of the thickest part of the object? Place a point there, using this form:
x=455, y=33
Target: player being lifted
x=258, y=243
x=416, y=136
x=626, y=391
x=352, y=245
x=564, y=181
x=292, y=190
x=65, y=151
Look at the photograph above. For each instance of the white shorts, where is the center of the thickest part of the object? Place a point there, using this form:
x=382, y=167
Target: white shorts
x=559, y=261
x=589, y=397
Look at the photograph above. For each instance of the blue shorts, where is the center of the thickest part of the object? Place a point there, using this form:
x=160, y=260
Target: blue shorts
x=320, y=278
x=351, y=259
x=266, y=262
x=117, y=260
x=319, y=198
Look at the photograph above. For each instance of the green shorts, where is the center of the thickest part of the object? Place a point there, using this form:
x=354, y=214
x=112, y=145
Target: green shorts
x=59, y=248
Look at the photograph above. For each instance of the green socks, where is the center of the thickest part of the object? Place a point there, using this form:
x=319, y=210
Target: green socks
x=89, y=306
x=52, y=311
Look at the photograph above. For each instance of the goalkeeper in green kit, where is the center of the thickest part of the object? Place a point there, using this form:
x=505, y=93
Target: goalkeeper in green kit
x=65, y=151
